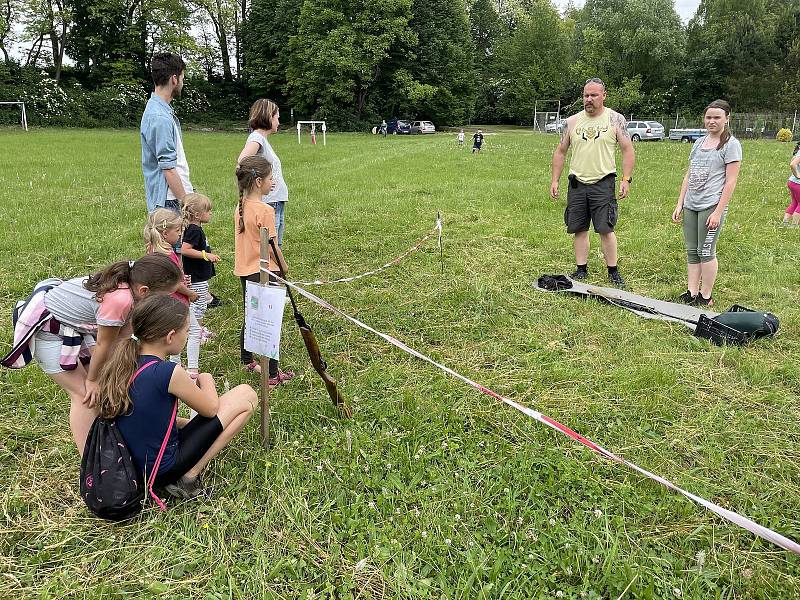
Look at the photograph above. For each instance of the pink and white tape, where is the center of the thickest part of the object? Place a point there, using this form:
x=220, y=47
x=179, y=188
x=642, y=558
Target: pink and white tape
x=729, y=515
x=391, y=263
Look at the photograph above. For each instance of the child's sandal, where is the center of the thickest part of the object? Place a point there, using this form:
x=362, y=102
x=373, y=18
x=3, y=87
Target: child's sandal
x=252, y=367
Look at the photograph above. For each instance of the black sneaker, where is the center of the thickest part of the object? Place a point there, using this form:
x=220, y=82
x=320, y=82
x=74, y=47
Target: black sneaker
x=688, y=298
x=579, y=274
x=215, y=302
x=700, y=301
x=185, y=488
x=616, y=280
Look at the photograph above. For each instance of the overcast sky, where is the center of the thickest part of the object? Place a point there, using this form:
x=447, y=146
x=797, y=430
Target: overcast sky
x=685, y=8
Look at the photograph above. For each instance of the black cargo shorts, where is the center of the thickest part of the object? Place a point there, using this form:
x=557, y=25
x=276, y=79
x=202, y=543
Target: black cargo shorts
x=593, y=202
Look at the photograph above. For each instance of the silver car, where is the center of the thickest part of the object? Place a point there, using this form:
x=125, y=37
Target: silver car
x=422, y=127
x=645, y=130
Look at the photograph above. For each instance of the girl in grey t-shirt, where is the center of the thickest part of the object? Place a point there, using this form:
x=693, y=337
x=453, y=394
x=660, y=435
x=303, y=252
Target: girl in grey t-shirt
x=707, y=188
x=264, y=120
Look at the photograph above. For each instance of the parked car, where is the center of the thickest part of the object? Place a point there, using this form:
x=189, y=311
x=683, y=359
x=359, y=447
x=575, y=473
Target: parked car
x=400, y=126
x=687, y=135
x=646, y=130
x=422, y=127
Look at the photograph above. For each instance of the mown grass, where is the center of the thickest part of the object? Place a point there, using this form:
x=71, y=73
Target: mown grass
x=431, y=490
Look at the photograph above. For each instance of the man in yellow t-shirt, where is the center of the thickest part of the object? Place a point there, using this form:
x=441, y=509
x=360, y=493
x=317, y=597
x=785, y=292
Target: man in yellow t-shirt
x=594, y=134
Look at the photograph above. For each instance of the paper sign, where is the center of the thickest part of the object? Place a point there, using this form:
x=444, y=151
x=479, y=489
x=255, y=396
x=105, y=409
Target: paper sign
x=263, y=314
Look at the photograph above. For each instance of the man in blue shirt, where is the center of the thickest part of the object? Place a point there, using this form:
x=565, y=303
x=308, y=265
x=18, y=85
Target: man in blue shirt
x=164, y=164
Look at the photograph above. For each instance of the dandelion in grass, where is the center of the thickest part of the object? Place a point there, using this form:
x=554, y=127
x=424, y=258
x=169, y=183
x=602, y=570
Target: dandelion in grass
x=424, y=534
x=448, y=541
x=677, y=592
x=552, y=522
x=559, y=594
x=598, y=513
x=595, y=559
x=371, y=505
x=319, y=467
x=701, y=559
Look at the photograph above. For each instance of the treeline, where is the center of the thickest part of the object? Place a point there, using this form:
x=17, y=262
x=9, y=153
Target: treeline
x=353, y=62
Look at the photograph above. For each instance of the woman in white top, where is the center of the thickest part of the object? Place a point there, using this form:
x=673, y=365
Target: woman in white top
x=264, y=121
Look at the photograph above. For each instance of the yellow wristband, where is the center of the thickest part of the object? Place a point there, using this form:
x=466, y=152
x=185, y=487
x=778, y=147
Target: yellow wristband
x=203, y=252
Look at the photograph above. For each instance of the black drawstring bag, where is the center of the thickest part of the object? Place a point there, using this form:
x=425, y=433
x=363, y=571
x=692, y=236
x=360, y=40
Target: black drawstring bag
x=111, y=485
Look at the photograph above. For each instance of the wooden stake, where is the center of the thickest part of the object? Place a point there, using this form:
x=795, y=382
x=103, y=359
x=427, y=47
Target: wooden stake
x=264, y=361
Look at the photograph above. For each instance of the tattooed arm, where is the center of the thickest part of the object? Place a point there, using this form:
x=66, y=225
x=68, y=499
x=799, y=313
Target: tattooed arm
x=626, y=147
x=559, y=156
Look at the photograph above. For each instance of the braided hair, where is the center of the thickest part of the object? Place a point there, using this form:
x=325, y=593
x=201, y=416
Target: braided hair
x=248, y=171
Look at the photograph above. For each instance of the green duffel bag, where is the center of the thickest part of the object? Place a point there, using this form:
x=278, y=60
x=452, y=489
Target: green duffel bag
x=738, y=325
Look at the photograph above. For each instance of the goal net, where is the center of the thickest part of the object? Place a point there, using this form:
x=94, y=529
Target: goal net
x=547, y=121
x=18, y=109
x=314, y=129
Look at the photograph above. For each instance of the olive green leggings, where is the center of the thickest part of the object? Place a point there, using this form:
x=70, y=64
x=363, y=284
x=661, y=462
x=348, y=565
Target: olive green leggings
x=701, y=242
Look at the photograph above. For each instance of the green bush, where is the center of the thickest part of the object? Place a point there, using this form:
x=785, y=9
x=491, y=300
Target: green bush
x=784, y=135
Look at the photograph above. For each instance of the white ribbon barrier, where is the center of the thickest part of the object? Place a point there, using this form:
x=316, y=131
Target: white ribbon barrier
x=391, y=263
x=731, y=516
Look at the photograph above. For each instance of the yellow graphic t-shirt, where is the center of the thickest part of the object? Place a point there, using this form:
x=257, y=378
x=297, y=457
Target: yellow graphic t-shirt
x=593, y=141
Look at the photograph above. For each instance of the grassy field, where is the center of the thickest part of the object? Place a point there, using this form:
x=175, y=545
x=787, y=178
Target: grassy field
x=431, y=490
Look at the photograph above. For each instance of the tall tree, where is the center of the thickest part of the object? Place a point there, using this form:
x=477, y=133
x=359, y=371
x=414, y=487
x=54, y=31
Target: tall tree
x=740, y=51
x=339, y=53
x=487, y=32
x=444, y=60
x=619, y=39
x=532, y=61
x=266, y=33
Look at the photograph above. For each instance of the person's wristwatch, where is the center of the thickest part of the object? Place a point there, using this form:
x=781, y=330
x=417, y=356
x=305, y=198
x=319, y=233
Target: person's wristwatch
x=628, y=179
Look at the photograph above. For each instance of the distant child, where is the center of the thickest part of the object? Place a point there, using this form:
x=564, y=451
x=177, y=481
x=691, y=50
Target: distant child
x=477, y=141
x=264, y=120
x=793, y=210
x=70, y=320
x=461, y=138
x=198, y=261
x=143, y=409
x=254, y=176
x=161, y=233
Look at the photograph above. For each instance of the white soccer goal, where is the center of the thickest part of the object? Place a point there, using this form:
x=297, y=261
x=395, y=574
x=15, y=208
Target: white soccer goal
x=547, y=121
x=23, y=114
x=313, y=125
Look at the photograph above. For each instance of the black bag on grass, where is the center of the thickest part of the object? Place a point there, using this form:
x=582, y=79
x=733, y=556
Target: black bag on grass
x=738, y=325
x=111, y=485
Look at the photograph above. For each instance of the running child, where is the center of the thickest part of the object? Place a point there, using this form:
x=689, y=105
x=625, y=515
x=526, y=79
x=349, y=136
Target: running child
x=477, y=141
x=198, y=261
x=254, y=176
x=714, y=163
x=161, y=232
x=793, y=210
x=143, y=409
x=461, y=138
x=73, y=320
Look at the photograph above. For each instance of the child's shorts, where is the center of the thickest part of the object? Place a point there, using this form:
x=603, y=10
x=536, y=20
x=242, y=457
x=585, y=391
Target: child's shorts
x=47, y=351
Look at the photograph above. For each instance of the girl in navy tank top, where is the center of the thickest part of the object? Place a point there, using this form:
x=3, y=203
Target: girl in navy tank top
x=143, y=409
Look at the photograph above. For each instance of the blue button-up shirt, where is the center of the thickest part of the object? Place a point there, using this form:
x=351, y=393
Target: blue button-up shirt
x=158, y=130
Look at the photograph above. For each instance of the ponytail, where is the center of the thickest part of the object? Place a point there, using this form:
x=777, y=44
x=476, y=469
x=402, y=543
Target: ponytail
x=158, y=222
x=155, y=271
x=241, y=215
x=192, y=205
x=151, y=319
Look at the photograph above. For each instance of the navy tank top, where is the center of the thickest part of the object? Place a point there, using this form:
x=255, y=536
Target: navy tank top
x=145, y=424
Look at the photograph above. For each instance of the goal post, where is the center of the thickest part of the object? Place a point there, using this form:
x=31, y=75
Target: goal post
x=23, y=114
x=547, y=113
x=313, y=124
